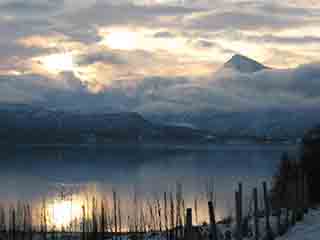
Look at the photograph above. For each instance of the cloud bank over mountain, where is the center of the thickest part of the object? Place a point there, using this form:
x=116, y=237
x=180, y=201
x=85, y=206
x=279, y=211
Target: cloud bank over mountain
x=161, y=57
x=228, y=90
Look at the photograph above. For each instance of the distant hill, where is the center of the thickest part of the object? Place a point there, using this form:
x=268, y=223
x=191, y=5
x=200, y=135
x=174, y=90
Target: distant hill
x=27, y=124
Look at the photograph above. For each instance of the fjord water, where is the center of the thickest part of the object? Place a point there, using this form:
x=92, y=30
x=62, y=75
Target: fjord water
x=28, y=174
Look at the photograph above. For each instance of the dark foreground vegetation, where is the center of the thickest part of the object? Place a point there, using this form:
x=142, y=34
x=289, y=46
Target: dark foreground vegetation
x=297, y=172
x=258, y=216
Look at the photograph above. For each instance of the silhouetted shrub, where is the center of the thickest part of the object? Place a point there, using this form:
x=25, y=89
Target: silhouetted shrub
x=284, y=183
x=311, y=163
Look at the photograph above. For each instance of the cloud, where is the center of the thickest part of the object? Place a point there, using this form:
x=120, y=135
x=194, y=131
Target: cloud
x=164, y=35
x=174, y=50
x=270, y=38
x=274, y=87
x=13, y=29
x=104, y=57
x=31, y=8
x=244, y=21
x=250, y=15
x=287, y=80
x=234, y=91
x=14, y=50
x=205, y=44
x=106, y=14
x=25, y=89
x=226, y=91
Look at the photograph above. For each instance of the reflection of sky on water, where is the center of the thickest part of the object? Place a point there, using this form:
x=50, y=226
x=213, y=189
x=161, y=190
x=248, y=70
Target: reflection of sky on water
x=32, y=174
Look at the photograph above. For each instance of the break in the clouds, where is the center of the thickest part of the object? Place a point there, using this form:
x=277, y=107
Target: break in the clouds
x=158, y=55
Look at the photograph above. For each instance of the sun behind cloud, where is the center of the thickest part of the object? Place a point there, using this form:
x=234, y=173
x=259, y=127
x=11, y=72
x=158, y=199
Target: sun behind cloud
x=124, y=39
x=58, y=62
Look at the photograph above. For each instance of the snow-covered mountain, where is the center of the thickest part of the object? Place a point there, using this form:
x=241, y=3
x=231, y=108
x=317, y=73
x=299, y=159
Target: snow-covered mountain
x=244, y=64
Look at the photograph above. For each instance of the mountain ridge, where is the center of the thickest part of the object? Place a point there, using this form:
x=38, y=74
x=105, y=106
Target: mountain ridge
x=244, y=64
x=23, y=124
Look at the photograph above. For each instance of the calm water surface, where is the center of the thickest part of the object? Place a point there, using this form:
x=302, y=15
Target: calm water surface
x=32, y=174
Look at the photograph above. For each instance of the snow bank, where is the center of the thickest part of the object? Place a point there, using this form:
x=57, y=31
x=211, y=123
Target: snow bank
x=309, y=229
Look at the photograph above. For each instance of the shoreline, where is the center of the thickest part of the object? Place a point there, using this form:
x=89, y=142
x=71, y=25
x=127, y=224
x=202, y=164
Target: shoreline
x=160, y=146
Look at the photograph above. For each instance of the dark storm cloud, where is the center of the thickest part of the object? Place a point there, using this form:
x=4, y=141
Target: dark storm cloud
x=33, y=88
x=200, y=43
x=12, y=30
x=13, y=49
x=67, y=92
x=284, y=40
x=243, y=21
x=225, y=90
x=82, y=24
x=31, y=8
x=253, y=16
x=164, y=35
x=232, y=90
x=86, y=36
x=103, y=57
x=306, y=38
x=302, y=83
x=281, y=9
x=205, y=44
x=307, y=80
x=110, y=14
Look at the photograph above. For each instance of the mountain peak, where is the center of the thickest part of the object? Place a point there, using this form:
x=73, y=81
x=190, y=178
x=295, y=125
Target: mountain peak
x=244, y=64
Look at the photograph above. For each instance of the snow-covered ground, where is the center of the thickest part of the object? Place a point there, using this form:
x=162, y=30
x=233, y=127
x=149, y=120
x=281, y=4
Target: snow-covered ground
x=308, y=229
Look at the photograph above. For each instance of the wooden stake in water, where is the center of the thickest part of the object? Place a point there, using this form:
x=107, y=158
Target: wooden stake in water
x=213, y=225
x=166, y=215
x=102, y=223
x=44, y=212
x=178, y=210
x=300, y=196
x=29, y=222
x=269, y=235
x=256, y=214
x=240, y=203
x=115, y=212
x=83, y=236
x=238, y=219
x=188, y=228
x=13, y=228
x=172, y=232
x=279, y=227
x=94, y=219
x=159, y=215
x=196, y=209
x=305, y=193
x=119, y=216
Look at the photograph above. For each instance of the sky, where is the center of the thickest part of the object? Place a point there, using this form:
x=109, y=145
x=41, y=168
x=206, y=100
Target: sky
x=158, y=55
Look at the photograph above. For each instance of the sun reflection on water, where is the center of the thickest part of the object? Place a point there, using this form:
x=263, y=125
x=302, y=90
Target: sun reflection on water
x=64, y=212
